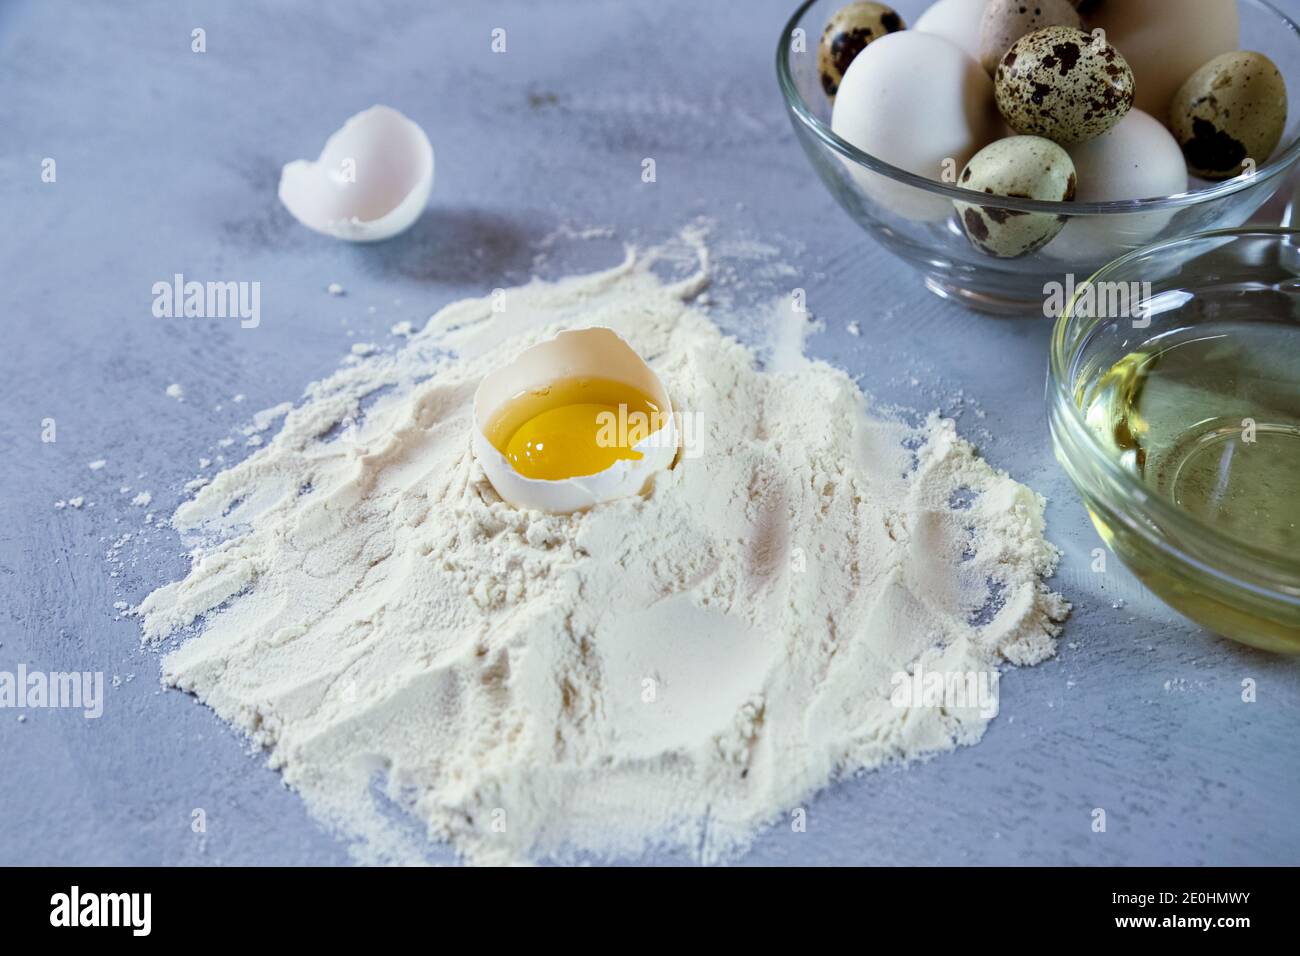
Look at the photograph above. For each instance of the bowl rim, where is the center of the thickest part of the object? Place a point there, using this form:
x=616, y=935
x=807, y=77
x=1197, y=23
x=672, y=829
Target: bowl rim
x=1061, y=397
x=799, y=110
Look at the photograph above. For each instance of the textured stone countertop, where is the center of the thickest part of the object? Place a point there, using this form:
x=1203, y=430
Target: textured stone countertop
x=167, y=162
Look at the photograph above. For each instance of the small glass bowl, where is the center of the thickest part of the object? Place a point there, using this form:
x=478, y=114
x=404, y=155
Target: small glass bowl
x=1230, y=586
x=1094, y=233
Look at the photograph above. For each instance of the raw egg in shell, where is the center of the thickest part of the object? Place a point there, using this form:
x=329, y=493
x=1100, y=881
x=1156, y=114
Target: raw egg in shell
x=573, y=422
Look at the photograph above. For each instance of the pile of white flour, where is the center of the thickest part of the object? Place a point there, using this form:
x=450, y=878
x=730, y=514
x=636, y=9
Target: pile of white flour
x=675, y=670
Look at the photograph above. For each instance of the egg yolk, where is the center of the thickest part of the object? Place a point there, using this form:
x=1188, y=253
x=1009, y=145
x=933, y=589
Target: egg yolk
x=573, y=427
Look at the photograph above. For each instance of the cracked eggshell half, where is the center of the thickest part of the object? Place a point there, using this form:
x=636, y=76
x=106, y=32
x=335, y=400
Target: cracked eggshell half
x=596, y=352
x=371, y=181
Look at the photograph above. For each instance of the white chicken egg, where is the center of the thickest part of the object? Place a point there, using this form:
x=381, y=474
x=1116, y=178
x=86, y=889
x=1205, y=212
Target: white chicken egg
x=1166, y=41
x=371, y=182
x=572, y=422
x=927, y=121
x=1137, y=159
x=955, y=20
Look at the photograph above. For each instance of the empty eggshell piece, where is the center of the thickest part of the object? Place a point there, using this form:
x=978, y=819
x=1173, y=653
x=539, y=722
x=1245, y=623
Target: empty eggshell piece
x=847, y=33
x=371, y=181
x=1063, y=84
x=1230, y=110
x=597, y=353
x=957, y=21
x=925, y=121
x=1137, y=159
x=1006, y=21
x=1025, y=166
x=1165, y=41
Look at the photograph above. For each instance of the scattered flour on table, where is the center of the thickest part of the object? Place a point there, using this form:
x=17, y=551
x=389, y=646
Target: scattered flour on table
x=675, y=670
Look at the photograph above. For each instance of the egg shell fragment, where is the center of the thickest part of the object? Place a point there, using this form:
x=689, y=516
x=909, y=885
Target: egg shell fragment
x=1230, y=110
x=1006, y=21
x=1063, y=84
x=1165, y=41
x=847, y=34
x=925, y=121
x=1028, y=167
x=371, y=181
x=595, y=352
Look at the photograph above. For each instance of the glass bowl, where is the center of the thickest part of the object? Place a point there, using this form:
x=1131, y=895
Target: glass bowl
x=1094, y=233
x=1206, y=514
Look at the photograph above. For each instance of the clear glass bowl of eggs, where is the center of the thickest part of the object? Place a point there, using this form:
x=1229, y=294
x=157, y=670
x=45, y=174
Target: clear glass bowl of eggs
x=1088, y=129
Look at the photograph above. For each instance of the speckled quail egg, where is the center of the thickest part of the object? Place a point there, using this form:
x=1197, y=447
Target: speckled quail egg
x=1029, y=167
x=848, y=32
x=1063, y=84
x=1230, y=110
x=1006, y=21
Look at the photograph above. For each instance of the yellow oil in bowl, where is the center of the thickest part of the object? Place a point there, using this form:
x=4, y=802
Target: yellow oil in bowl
x=1179, y=422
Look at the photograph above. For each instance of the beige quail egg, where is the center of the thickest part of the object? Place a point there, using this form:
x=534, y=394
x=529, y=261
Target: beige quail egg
x=1230, y=110
x=1006, y=21
x=847, y=34
x=1063, y=84
x=1028, y=167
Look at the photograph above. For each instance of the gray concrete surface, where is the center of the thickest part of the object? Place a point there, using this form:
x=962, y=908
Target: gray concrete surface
x=167, y=161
